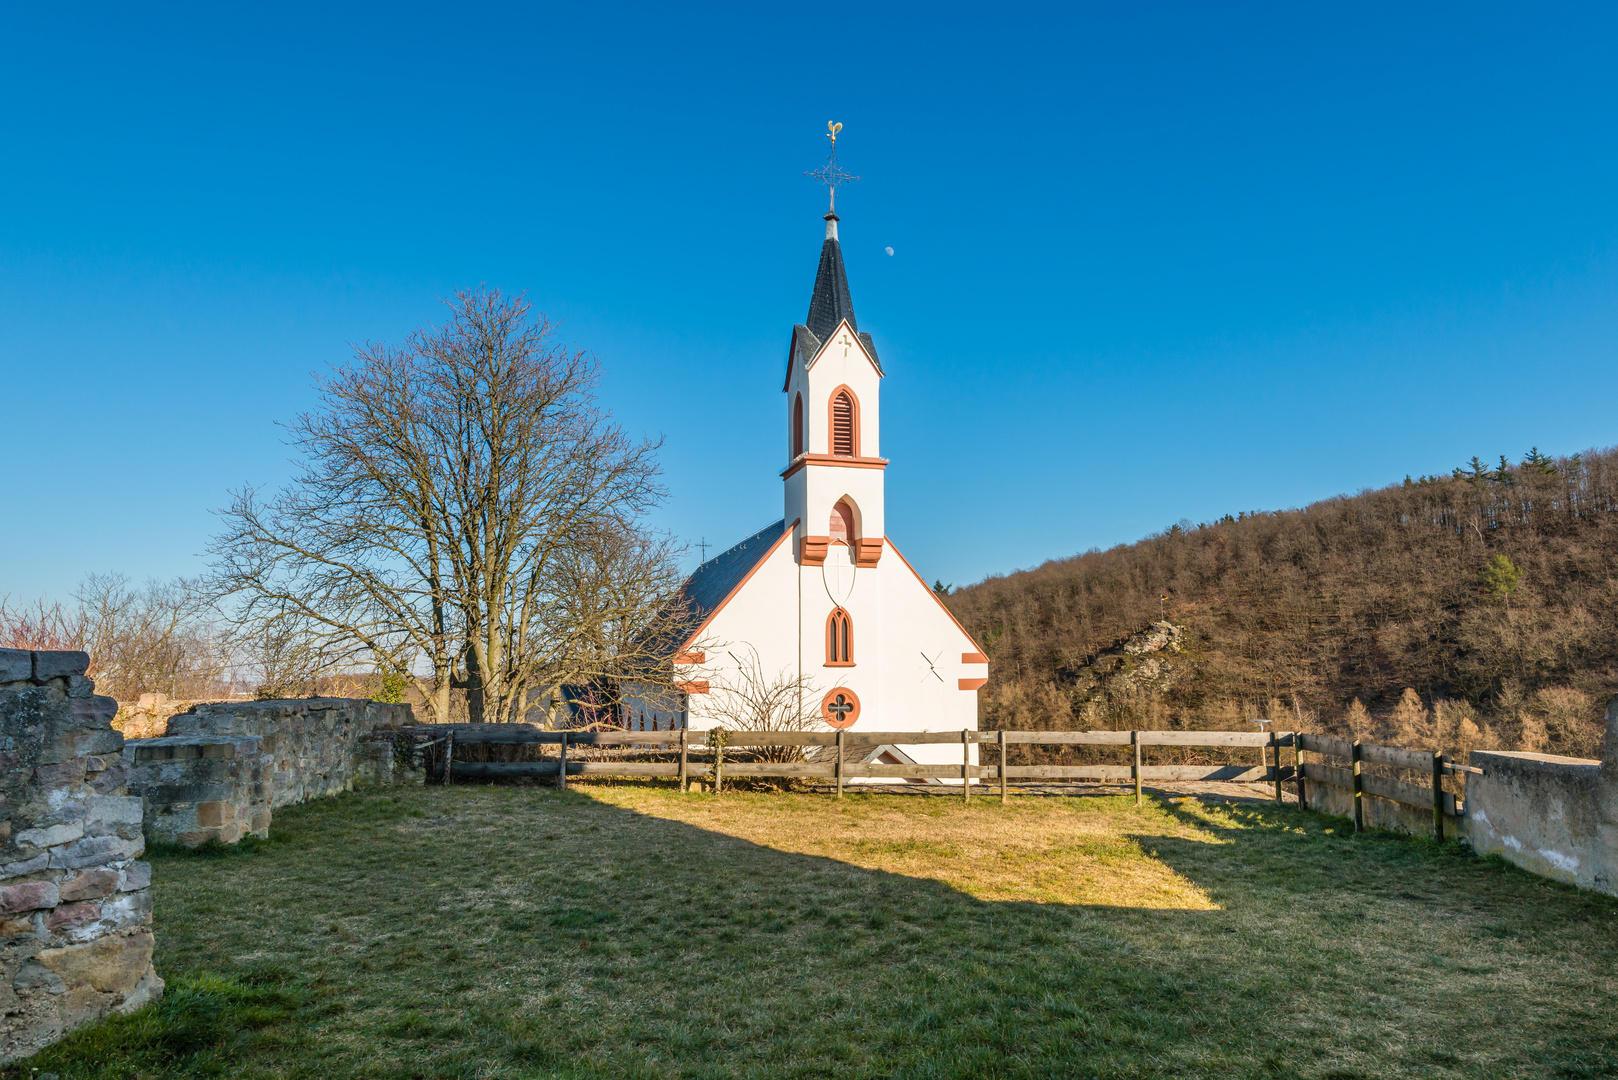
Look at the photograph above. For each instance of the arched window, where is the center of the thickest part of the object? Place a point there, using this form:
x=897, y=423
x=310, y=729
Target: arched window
x=845, y=441
x=841, y=526
x=839, y=639
x=797, y=425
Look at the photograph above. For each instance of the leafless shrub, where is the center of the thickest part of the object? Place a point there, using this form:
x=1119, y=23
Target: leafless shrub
x=157, y=638
x=747, y=698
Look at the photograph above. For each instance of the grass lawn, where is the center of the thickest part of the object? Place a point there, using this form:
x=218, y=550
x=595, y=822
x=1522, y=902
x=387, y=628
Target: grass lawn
x=631, y=931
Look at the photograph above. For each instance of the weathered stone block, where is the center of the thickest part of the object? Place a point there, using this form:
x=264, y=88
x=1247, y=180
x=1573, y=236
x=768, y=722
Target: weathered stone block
x=95, y=851
x=214, y=814
x=127, y=909
x=16, y=665
x=79, y=742
x=50, y=837
x=69, y=773
x=90, y=885
x=135, y=876
x=71, y=916
x=28, y=896
x=108, y=781
x=95, y=711
x=106, y=810
x=33, y=975
x=110, y=964
x=59, y=665
x=26, y=866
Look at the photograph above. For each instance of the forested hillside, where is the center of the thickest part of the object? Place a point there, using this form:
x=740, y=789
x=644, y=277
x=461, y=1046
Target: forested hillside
x=1478, y=609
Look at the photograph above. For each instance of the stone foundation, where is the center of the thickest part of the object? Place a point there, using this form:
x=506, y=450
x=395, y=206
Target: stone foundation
x=75, y=904
x=222, y=768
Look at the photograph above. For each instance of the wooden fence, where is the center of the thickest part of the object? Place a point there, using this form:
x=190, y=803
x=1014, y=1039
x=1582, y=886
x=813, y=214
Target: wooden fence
x=1353, y=778
x=702, y=756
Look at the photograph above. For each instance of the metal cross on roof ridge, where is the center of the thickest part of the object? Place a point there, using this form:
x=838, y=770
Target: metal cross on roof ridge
x=831, y=174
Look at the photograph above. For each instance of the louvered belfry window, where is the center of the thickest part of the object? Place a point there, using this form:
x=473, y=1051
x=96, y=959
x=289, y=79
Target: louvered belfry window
x=842, y=424
x=797, y=425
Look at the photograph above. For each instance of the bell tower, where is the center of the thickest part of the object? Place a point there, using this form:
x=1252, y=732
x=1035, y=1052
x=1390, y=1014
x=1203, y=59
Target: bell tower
x=834, y=471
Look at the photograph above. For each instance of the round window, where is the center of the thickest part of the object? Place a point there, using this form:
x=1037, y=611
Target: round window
x=840, y=708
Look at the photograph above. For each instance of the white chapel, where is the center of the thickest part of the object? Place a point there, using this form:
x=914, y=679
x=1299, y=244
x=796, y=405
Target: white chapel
x=823, y=596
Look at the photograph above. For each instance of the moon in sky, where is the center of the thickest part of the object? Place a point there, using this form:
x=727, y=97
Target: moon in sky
x=888, y=250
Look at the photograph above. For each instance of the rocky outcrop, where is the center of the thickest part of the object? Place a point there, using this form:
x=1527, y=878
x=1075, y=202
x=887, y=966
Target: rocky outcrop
x=1148, y=662
x=75, y=901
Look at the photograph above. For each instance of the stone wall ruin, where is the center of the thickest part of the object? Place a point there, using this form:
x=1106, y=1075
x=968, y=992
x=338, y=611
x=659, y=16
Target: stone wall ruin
x=75, y=902
x=222, y=768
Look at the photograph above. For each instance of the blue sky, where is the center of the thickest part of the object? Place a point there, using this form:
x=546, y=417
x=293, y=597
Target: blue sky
x=1151, y=262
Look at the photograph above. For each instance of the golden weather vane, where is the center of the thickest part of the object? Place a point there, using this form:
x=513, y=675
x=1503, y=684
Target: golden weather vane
x=831, y=174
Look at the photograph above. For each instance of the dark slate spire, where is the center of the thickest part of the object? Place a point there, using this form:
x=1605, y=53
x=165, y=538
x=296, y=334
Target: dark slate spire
x=830, y=303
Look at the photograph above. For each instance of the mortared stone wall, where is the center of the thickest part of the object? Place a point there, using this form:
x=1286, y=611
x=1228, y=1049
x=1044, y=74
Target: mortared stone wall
x=75, y=901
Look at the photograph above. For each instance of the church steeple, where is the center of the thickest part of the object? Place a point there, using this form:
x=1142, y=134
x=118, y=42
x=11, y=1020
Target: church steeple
x=830, y=303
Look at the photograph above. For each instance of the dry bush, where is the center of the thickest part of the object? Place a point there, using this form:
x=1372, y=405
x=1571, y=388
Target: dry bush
x=159, y=638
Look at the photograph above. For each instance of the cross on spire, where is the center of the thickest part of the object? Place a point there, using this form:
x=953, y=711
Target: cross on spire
x=831, y=174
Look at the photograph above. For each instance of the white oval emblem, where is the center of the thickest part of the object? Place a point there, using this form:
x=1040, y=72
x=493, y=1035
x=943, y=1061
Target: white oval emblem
x=838, y=573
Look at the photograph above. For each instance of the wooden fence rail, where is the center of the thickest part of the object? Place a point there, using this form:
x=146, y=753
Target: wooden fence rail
x=1353, y=778
x=715, y=743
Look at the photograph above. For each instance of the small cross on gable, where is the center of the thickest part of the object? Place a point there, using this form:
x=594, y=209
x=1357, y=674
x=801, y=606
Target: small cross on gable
x=846, y=344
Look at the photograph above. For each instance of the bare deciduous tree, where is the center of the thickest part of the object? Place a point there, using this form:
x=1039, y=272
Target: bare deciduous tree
x=464, y=510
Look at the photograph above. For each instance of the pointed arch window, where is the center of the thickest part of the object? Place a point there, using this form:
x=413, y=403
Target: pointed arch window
x=797, y=425
x=845, y=414
x=839, y=639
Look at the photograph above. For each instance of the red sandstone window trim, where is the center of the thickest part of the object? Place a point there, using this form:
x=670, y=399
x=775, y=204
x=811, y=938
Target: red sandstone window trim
x=839, y=638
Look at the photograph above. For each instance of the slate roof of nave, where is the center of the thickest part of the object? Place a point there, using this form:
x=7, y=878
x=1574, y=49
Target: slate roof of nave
x=708, y=587
x=710, y=583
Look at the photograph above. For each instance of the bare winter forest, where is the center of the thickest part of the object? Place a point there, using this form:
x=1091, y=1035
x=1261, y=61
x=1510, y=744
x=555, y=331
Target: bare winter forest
x=1473, y=610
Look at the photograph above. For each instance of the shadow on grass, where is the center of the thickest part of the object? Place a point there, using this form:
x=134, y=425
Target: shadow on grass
x=500, y=933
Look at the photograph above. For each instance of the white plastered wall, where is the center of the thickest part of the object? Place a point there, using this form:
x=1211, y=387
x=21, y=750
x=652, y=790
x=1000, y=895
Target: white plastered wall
x=908, y=652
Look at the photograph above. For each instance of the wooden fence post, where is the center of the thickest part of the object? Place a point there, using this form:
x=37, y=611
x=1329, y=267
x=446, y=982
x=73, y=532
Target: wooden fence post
x=1297, y=768
x=1134, y=738
x=839, y=763
x=1359, y=787
x=1275, y=752
x=685, y=760
x=449, y=755
x=717, y=738
x=561, y=765
x=1438, y=796
x=1002, y=766
x=966, y=765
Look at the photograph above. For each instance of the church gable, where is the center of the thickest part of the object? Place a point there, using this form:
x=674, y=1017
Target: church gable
x=845, y=343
